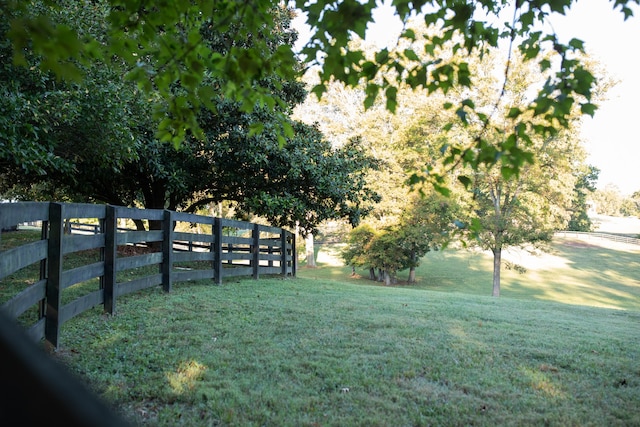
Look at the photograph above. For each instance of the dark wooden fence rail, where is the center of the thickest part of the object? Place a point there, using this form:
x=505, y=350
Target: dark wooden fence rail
x=228, y=248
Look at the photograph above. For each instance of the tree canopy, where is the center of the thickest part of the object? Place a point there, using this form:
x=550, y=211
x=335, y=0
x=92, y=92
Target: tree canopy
x=501, y=207
x=95, y=139
x=161, y=45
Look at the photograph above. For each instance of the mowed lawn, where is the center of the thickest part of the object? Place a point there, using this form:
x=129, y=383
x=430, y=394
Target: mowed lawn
x=579, y=270
x=305, y=352
x=559, y=348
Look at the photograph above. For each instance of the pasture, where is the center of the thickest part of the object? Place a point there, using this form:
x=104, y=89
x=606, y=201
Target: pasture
x=573, y=270
x=559, y=347
x=306, y=352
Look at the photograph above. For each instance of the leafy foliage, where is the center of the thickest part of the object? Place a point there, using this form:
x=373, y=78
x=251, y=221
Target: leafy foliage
x=524, y=210
x=505, y=206
x=162, y=44
x=241, y=156
x=424, y=225
x=584, y=187
x=355, y=253
x=466, y=30
x=45, y=122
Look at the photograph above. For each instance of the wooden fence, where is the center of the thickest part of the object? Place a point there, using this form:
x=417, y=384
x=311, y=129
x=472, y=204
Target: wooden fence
x=228, y=248
x=620, y=238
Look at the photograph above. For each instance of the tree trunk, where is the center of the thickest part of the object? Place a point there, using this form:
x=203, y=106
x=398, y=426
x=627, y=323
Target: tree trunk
x=311, y=255
x=372, y=274
x=412, y=275
x=387, y=278
x=497, y=263
x=412, y=269
x=155, y=225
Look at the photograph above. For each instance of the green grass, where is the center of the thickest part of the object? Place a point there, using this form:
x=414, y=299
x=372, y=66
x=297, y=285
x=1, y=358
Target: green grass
x=313, y=352
x=326, y=349
x=581, y=272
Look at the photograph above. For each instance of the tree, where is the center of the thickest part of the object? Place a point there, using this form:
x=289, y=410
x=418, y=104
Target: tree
x=425, y=225
x=585, y=186
x=509, y=207
x=162, y=45
x=608, y=200
x=515, y=212
x=340, y=114
x=385, y=254
x=355, y=253
x=628, y=207
x=241, y=157
x=635, y=199
x=44, y=121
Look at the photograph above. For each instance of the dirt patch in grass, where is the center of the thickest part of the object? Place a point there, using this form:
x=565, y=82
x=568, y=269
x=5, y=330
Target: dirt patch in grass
x=130, y=250
x=577, y=243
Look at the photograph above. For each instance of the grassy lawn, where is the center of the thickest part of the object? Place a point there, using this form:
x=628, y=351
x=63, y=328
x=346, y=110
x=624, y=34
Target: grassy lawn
x=593, y=272
x=559, y=348
x=302, y=352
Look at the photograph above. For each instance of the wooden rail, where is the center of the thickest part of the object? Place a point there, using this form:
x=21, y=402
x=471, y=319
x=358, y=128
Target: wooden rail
x=608, y=236
x=229, y=248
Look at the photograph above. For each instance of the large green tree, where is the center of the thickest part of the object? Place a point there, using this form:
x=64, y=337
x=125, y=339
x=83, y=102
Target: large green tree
x=426, y=224
x=44, y=121
x=162, y=44
x=505, y=206
x=523, y=210
x=586, y=179
x=239, y=157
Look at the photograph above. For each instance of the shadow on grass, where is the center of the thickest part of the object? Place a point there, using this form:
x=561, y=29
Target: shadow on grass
x=591, y=275
x=571, y=272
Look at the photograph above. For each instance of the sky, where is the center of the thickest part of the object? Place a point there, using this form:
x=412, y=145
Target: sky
x=610, y=138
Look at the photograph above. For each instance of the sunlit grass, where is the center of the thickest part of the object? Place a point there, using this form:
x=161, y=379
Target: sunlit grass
x=583, y=272
x=334, y=350
x=301, y=352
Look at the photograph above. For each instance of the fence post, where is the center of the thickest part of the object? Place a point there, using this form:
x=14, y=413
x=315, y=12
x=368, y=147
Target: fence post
x=283, y=252
x=44, y=266
x=167, y=250
x=217, y=248
x=256, y=251
x=294, y=255
x=54, y=274
x=110, y=245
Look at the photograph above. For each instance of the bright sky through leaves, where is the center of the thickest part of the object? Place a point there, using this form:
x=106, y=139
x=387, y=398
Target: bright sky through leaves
x=611, y=137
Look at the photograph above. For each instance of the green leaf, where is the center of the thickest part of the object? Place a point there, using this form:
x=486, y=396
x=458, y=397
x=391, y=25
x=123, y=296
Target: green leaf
x=589, y=109
x=408, y=34
x=514, y=112
x=391, y=94
x=319, y=89
x=462, y=115
x=577, y=44
x=545, y=64
x=255, y=128
x=559, y=6
x=469, y=103
x=382, y=56
x=411, y=55
x=465, y=180
x=372, y=91
x=442, y=189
